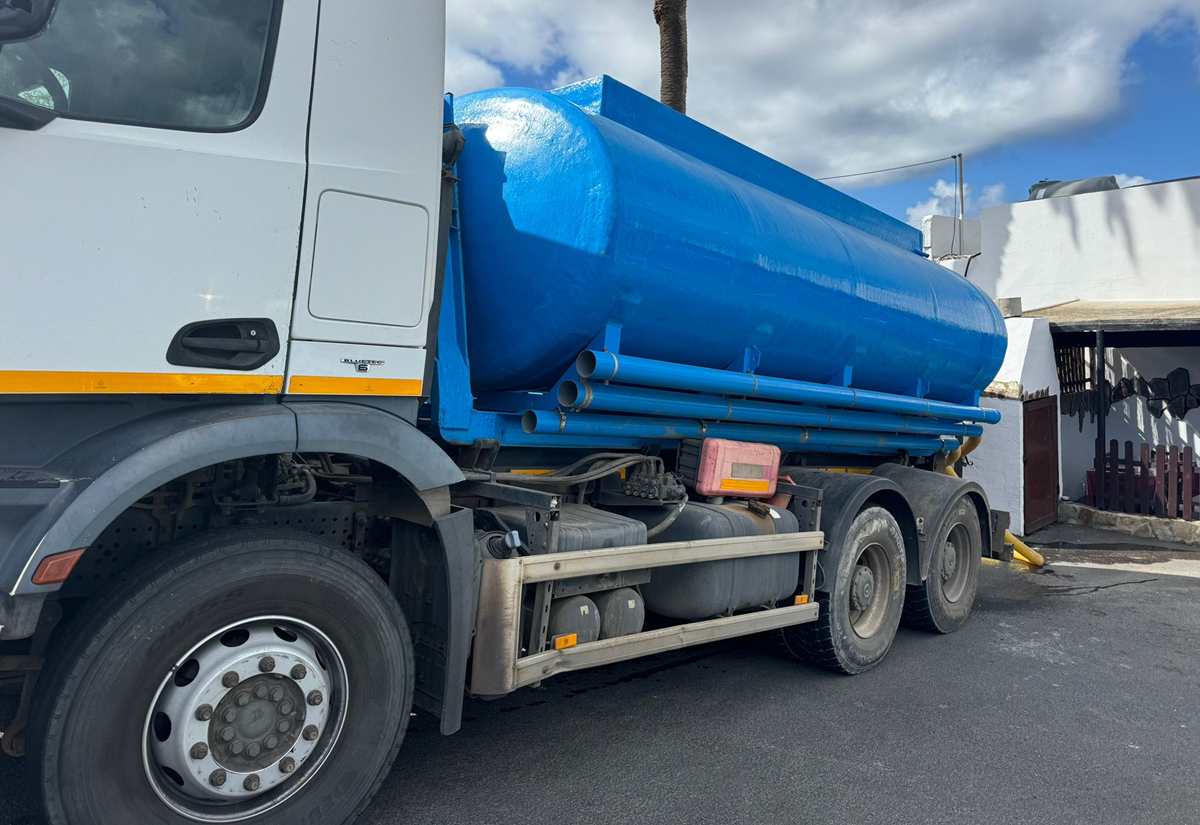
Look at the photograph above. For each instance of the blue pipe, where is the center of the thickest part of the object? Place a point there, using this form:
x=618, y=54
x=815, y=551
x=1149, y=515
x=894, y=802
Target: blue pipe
x=792, y=438
x=587, y=395
x=627, y=369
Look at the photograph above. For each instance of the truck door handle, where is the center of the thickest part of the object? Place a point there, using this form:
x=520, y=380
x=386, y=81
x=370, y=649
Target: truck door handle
x=195, y=343
x=228, y=343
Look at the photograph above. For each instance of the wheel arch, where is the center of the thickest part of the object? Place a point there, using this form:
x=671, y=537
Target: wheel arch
x=932, y=497
x=843, y=496
x=355, y=429
x=896, y=503
x=101, y=477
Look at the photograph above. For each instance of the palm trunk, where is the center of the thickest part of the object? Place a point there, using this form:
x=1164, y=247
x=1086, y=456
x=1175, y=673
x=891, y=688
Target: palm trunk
x=671, y=17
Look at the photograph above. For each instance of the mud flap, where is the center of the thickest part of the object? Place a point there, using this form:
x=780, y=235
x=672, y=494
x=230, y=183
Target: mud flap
x=435, y=575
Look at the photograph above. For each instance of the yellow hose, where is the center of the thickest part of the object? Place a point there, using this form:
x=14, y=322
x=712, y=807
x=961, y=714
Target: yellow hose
x=1021, y=550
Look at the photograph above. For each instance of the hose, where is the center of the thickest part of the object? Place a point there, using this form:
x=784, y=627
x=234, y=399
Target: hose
x=587, y=459
x=1023, y=551
x=555, y=479
x=1020, y=549
x=307, y=494
x=667, y=522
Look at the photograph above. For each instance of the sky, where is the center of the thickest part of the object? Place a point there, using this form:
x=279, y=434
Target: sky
x=1025, y=89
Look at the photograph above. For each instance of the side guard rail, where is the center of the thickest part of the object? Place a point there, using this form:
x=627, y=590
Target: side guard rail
x=499, y=664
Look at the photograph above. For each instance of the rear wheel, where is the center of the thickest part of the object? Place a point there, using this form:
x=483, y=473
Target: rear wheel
x=860, y=614
x=942, y=603
x=248, y=675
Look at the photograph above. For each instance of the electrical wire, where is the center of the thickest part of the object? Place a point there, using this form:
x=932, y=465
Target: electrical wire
x=967, y=270
x=890, y=169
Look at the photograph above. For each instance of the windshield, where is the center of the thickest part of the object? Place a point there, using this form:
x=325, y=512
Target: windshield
x=185, y=64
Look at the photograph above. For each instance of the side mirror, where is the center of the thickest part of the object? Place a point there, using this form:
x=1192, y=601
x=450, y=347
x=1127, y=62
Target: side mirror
x=24, y=19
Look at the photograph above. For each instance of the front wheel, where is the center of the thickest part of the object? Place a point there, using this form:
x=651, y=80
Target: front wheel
x=859, y=616
x=248, y=675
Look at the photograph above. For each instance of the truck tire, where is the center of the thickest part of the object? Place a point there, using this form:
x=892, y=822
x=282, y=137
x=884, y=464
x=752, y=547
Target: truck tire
x=249, y=674
x=859, y=617
x=942, y=603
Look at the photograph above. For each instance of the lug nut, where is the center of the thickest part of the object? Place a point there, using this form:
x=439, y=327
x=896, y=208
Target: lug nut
x=286, y=707
x=253, y=750
x=260, y=692
x=237, y=747
x=204, y=713
x=271, y=742
x=277, y=695
x=315, y=698
x=284, y=726
x=287, y=764
x=199, y=750
x=230, y=679
x=217, y=778
x=230, y=714
x=251, y=783
x=310, y=733
x=242, y=700
x=266, y=664
x=227, y=735
x=299, y=672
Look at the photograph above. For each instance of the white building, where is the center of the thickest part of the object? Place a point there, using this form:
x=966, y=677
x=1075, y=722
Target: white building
x=1124, y=264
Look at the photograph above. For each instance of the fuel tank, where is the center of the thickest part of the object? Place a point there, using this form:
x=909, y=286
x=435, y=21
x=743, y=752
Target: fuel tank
x=597, y=206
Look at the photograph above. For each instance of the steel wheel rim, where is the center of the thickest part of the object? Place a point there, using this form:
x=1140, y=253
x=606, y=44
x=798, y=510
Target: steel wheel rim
x=954, y=564
x=281, y=770
x=868, y=596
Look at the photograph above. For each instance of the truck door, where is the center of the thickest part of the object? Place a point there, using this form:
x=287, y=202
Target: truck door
x=365, y=281
x=151, y=229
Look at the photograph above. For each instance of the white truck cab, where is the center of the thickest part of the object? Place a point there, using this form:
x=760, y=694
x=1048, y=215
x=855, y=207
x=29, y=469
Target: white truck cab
x=261, y=172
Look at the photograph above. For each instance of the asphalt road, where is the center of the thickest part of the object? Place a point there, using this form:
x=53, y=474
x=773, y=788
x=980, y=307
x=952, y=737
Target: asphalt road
x=1073, y=695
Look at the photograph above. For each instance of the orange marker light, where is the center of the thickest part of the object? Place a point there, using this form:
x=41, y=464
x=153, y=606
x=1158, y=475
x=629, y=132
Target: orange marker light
x=802, y=599
x=565, y=641
x=55, y=569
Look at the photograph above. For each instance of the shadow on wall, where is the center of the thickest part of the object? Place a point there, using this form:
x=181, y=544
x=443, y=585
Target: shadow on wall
x=1131, y=418
x=1135, y=244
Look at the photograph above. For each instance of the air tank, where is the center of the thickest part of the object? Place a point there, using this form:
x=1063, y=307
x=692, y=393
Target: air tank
x=576, y=218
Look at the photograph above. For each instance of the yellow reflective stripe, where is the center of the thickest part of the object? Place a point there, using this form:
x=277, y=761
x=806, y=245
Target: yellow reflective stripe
x=27, y=381
x=341, y=385
x=744, y=486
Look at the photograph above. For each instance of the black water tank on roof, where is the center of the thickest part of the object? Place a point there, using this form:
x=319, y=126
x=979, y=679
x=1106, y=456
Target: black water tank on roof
x=1066, y=188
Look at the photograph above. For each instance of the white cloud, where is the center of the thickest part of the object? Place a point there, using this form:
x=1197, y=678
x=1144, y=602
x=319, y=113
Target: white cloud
x=993, y=195
x=467, y=70
x=1131, y=180
x=838, y=87
x=944, y=201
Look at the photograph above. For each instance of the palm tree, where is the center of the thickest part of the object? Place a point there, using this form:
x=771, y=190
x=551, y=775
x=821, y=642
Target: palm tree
x=671, y=17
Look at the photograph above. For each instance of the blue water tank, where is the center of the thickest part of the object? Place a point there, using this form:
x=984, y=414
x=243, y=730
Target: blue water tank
x=576, y=215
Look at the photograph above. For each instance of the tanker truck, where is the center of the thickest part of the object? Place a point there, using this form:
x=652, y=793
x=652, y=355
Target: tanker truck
x=325, y=397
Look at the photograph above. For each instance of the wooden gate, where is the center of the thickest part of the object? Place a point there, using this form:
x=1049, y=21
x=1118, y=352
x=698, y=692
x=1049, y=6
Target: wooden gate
x=1041, y=463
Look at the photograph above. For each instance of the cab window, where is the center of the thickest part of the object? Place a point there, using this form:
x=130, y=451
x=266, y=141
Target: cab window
x=179, y=64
